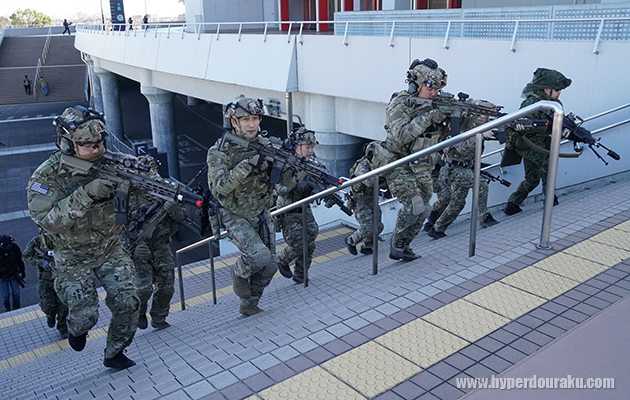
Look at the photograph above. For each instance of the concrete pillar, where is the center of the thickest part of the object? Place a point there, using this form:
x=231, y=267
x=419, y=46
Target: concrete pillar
x=111, y=102
x=336, y=150
x=163, y=132
x=95, y=86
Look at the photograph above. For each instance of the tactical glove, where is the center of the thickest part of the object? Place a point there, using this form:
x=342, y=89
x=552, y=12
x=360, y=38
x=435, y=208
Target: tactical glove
x=99, y=188
x=436, y=116
x=170, y=207
x=255, y=160
x=142, y=252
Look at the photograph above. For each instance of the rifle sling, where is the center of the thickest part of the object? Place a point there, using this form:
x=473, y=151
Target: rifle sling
x=539, y=149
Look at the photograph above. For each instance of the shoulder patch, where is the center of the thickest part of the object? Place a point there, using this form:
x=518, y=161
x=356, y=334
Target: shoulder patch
x=39, y=187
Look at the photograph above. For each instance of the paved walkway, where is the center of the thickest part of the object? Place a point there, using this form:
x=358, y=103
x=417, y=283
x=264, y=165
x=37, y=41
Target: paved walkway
x=410, y=332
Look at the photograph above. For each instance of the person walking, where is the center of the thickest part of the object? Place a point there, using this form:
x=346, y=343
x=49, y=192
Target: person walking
x=43, y=83
x=27, y=85
x=12, y=273
x=66, y=26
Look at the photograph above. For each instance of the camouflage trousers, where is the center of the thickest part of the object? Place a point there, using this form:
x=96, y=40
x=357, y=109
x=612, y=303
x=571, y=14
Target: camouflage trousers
x=414, y=191
x=291, y=225
x=454, y=183
x=363, y=209
x=156, y=277
x=536, y=166
x=254, y=269
x=49, y=302
x=74, y=283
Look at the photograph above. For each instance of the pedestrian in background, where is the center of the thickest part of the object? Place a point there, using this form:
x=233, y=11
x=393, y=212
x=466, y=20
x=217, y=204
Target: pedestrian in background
x=43, y=83
x=12, y=273
x=66, y=26
x=27, y=85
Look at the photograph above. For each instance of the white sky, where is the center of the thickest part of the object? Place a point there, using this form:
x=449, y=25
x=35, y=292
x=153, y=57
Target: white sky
x=59, y=9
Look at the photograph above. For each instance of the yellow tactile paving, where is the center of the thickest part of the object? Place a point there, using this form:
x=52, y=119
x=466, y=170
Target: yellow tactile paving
x=539, y=282
x=466, y=320
x=571, y=267
x=315, y=383
x=624, y=226
x=598, y=252
x=22, y=358
x=371, y=368
x=618, y=238
x=421, y=342
x=505, y=300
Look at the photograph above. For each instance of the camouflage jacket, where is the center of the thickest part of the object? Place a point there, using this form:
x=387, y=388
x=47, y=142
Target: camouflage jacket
x=35, y=253
x=540, y=135
x=287, y=194
x=70, y=218
x=409, y=129
x=240, y=188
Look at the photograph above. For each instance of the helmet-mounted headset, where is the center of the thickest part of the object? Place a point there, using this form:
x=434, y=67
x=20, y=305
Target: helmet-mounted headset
x=74, y=127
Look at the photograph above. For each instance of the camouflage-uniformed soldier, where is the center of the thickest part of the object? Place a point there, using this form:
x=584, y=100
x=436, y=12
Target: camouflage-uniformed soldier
x=149, y=247
x=240, y=183
x=362, y=197
x=455, y=180
x=411, y=129
x=303, y=142
x=75, y=210
x=37, y=254
x=546, y=85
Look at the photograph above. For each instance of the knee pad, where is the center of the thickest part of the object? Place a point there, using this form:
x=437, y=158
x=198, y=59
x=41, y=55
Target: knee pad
x=261, y=257
x=417, y=205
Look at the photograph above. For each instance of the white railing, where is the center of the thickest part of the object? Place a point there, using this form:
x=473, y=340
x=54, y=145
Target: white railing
x=391, y=28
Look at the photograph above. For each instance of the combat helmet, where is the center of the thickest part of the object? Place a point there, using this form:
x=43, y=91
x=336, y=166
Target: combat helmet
x=546, y=79
x=298, y=137
x=78, y=126
x=425, y=73
x=244, y=107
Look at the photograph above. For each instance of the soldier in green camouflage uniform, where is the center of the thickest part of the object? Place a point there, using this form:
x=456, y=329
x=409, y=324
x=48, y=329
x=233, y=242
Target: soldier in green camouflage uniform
x=455, y=180
x=410, y=129
x=546, y=85
x=38, y=255
x=150, y=250
x=362, y=197
x=303, y=142
x=239, y=181
x=76, y=214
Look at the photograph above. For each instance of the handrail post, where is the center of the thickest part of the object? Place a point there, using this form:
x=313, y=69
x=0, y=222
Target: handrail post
x=475, y=200
x=512, y=48
x=376, y=218
x=214, y=286
x=345, y=35
x=181, y=281
x=552, y=172
x=265, y=32
x=300, y=34
x=391, y=35
x=448, y=31
x=304, y=245
x=240, y=29
x=599, y=35
x=289, y=32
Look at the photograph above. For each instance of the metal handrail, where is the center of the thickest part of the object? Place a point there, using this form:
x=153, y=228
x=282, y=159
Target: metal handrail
x=374, y=174
x=199, y=27
x=41, y=61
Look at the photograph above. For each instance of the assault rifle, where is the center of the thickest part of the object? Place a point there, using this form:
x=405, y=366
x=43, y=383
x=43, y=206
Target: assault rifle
x=578, y=134
x=124, y=170
x=273, y=153
x=495, y=178
x=330, y=200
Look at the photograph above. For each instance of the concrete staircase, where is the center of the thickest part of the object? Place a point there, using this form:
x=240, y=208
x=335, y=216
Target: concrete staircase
x=64, y=70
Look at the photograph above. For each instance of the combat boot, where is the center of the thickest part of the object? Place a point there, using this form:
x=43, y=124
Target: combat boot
x=397, y=249
x=284, y=270
x=77, y=342
x=488, y=221
x=352, y=248
x=555, y=200
x=250, y=307
x=366, y=249
x=142, y=321
x=50, y=320
x=511, y=209
x=430, y=221
x=159, y=325
x=410, y=255
x=119, y=361
x=435, y=234
x=63, y=333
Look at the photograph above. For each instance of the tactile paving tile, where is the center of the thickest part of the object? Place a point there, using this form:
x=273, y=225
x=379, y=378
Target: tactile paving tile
x=598, y=252
x=624, y=226
x=571, y=267
x=505, y=300
x=466, y=320
x=421, y=342
x=539, y=282
x=371, y=368
x=614, y=237
x=315, y=383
